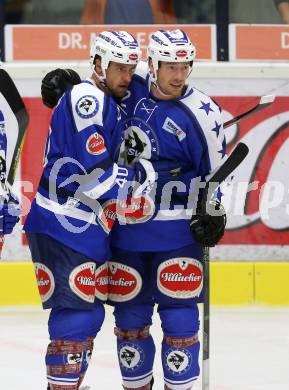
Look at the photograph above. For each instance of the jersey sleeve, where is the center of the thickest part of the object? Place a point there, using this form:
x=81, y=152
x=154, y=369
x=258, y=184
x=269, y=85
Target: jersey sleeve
x=207, y=142
x=206, y=136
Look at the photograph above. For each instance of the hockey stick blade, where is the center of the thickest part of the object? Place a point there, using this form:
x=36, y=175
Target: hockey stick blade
x=15, y=102
x=264, y=102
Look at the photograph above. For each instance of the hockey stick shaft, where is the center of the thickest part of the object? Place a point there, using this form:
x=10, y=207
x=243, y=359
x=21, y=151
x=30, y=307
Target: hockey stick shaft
x=232, y=162
x=264, y=102
x=12, y=106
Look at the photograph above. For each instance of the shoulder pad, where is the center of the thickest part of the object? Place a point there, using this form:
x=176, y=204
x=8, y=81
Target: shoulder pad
x=87, y=105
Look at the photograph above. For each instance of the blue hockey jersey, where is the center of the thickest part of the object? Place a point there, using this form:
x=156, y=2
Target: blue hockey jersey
x=186, y=134
x=79, y=175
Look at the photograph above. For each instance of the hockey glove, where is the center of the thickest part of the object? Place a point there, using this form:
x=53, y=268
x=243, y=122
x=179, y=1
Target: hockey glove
x=208, y=228
x=9, y=214
x=55, y=83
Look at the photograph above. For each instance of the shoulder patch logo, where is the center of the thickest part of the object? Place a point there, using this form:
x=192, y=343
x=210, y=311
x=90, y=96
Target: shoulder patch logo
x=87, y=106
x=171, y=127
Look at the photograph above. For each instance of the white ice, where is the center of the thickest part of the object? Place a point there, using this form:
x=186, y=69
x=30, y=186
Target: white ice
x=249, y=350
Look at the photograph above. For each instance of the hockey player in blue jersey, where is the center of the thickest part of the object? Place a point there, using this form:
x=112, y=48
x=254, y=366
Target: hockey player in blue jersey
x=66, y=228
x=169, y=121
x=157, y=244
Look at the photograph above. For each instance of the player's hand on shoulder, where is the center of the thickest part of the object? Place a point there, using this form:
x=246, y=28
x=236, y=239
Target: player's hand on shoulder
x=55, y=83
x=9, y=214
x=209, y=227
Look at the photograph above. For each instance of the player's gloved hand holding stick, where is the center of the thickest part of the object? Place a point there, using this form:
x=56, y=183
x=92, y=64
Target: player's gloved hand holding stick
x=11, y=106
x=10, y=213
x=208, y=226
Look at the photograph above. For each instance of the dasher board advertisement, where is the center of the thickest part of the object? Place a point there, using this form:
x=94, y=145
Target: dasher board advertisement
x=58, y=43
x=259, y=42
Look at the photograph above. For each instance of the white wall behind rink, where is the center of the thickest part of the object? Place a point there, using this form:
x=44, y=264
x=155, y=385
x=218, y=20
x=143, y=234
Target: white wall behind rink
x=216, y=79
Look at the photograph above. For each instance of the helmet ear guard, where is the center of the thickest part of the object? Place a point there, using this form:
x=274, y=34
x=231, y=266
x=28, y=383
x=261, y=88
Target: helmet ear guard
x=117, y=46
x=169, y=46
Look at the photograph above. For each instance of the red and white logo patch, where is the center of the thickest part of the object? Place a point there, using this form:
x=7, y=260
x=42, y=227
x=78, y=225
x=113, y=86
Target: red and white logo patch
x=181, y=53
x=133, y=56
x=135, y=210
x=181, y=277
x=95, y=144
x=82, y=281
x=107, y=216
x=101, y=282
x=45, y=281
x=124, y=282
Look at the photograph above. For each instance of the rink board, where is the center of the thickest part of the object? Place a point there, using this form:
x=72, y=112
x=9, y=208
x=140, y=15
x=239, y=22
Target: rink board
x=232, y=283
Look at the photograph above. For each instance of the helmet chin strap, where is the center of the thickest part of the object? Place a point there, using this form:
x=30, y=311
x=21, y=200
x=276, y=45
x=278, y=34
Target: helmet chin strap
x=153, y=81
x=101, y=79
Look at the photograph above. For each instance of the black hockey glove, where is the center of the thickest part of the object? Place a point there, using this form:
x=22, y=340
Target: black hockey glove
x=55, y=83
x=209, y=228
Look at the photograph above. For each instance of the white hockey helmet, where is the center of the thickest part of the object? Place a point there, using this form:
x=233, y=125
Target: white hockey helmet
x=170, y=46
x=117, y=46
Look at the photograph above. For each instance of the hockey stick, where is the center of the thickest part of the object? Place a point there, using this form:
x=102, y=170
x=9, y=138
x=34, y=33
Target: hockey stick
x=232, y=162
x=15, y=118
x=264, y=102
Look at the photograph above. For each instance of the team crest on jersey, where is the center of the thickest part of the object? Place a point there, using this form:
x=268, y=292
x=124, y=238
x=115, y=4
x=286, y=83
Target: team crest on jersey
x=87, y=106
x=139, y=141
x=178, y=361
x=171, y=127
x=131, y=356
x=95, y=144
x=181, y=277
x=45, y=281
x=82, y=281
x=124, y=282
x=101, y=282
